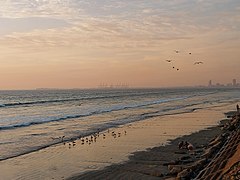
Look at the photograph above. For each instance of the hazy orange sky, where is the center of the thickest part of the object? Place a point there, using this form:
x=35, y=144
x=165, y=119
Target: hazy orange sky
x=81, y=44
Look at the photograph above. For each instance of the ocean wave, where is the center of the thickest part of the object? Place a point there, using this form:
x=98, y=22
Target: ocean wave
x=62, y=100
x=100, y=111
x=46, y=101
x=13, y=104
x=107, y=96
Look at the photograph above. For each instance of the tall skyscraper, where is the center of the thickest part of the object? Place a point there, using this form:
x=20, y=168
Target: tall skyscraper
x=210, y=83
x=234, y=81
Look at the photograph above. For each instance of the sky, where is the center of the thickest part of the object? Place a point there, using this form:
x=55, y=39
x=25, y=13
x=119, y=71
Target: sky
x=86, y=43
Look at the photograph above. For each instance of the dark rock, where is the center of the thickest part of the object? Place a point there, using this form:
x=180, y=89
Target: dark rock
x=215, y=141
x=186, y=161
x=198, y=164
x=185, y=174
x=180, y=152
x=171, y=163
x=210, y=151
x=198, y=151
x=185, y=157
x=175, y=169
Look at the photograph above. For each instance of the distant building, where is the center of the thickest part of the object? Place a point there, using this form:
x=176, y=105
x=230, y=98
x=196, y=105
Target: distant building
x=112, y=86
x=230, y=84
x=234, y=82
x=219, y=85
x=210, y=83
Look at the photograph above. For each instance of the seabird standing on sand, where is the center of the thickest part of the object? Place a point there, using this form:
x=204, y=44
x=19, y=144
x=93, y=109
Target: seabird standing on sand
x=176, y=69
x=198, y=62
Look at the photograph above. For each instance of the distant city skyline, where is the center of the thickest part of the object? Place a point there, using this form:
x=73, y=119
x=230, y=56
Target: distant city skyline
x=112, y=85
x=234, y=83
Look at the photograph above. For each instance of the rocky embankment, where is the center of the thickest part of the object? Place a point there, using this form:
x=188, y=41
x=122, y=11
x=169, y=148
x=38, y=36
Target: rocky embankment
x=219, y=159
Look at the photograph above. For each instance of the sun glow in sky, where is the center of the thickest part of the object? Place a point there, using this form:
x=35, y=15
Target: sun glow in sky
x=81, y=44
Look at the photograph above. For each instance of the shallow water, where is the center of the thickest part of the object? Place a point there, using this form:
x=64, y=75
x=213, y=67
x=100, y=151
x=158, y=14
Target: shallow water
x=33, y=120
x=63, y=160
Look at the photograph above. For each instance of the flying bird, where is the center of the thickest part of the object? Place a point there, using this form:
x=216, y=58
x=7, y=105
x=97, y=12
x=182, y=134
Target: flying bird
x=198, y=62
x=176, y=51
x=190, y=53
x=168, y=60
x=176, y=68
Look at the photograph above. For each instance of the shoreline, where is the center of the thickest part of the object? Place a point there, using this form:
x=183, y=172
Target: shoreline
x=64, y=161
x=169, y=162
x=152, y=163
x=67, y=140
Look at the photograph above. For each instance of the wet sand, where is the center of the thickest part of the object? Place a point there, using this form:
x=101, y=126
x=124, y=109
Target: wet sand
x=153, y=163
x=85, y=160
x=215, y=156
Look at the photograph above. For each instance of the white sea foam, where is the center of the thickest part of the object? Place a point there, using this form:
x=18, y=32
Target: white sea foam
x=79, y=112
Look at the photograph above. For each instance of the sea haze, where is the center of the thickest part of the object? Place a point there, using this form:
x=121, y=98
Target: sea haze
x=32, y=120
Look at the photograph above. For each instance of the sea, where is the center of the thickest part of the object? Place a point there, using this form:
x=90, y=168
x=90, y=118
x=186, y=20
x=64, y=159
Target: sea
x=31, y=120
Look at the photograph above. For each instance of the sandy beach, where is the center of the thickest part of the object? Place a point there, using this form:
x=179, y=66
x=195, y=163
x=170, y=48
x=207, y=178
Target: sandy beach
x=147, y=141
x=216, y=155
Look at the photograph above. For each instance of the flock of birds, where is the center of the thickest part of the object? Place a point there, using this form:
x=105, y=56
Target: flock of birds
x=88, y=139
x=189, y=53
x=93, y=137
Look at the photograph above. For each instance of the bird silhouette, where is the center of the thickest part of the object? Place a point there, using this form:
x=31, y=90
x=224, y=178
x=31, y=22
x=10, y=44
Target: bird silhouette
x=168, y=60
x=198, y=62
x=176, y=51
